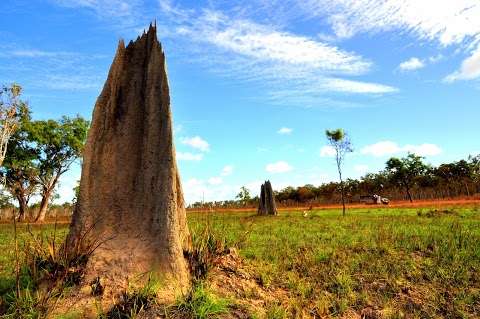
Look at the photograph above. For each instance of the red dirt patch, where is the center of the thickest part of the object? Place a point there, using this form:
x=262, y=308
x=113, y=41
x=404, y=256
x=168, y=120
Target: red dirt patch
x=230, y=279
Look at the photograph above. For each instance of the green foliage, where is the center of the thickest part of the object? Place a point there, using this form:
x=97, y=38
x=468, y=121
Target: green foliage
x=59, y=143
x=39, y=153
x=405, y=170
x=340, y=141
x=20, y=168
x=243, y=195
x=335, y=135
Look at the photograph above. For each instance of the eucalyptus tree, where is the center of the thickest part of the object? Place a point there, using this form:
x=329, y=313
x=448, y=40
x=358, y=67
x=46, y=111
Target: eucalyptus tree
x=59, y=144
x=342, y=145
x=20, y=170
x=404, y=171
x=243, y=196
x=11, y=109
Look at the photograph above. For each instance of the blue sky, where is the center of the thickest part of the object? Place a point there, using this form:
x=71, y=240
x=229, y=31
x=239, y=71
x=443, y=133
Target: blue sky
x=254, y=84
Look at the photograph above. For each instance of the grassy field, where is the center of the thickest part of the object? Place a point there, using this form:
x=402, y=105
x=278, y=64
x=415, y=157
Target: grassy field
x=374, y=263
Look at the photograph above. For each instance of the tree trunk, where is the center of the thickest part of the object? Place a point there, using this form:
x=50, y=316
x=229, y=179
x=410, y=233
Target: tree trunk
x=42, y=212
x=131, y=200
x=22, y=207
x=342, y=190
x=266, y=205
x=408, y=193
x=466, y=188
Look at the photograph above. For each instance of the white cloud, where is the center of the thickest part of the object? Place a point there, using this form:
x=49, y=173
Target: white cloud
x=423, y=149
x=227, y=170
x=385, y=148
x=215, y=180
x=106, y=8
x=196, y=190
x=261, y=42
x=411, y=64
x=469, y=70
x=285, y=131
x=290, y=68
x=181, y=156
x=349, y=86
x=33, y=53
x=446, y=21
x=278, y=167
x=381, y=149
x=327, y=151
x=196, y=142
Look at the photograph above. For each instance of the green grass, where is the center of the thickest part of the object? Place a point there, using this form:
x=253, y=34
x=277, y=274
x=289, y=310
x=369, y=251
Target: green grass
x=203, y=304
x=401, y=263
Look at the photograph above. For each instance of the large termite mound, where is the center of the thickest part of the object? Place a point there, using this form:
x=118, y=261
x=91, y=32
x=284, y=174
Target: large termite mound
x=266, y=204
x=131, y=201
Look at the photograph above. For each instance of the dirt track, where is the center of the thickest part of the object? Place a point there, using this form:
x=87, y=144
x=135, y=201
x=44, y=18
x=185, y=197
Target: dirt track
x=461, y=202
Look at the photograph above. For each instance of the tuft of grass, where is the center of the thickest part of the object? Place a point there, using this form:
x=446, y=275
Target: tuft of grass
x=28, y=304
x=432, y=213
x=202, y=304
x=45, y=270
x=136, y=300
x=275, y=311
x=206, y=245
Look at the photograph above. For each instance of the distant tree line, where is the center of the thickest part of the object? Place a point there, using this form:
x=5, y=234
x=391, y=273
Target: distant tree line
x=38, y=153
x=407, y=178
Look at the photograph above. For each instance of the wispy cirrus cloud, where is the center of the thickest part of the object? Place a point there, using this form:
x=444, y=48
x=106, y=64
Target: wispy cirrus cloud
x=56, y=70
x=291, y=68
x=266, y=44
x=445, y=22
x=106, y=8
x=448, y=22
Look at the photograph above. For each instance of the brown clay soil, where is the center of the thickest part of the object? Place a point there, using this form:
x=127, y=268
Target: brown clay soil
x=457, y=202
